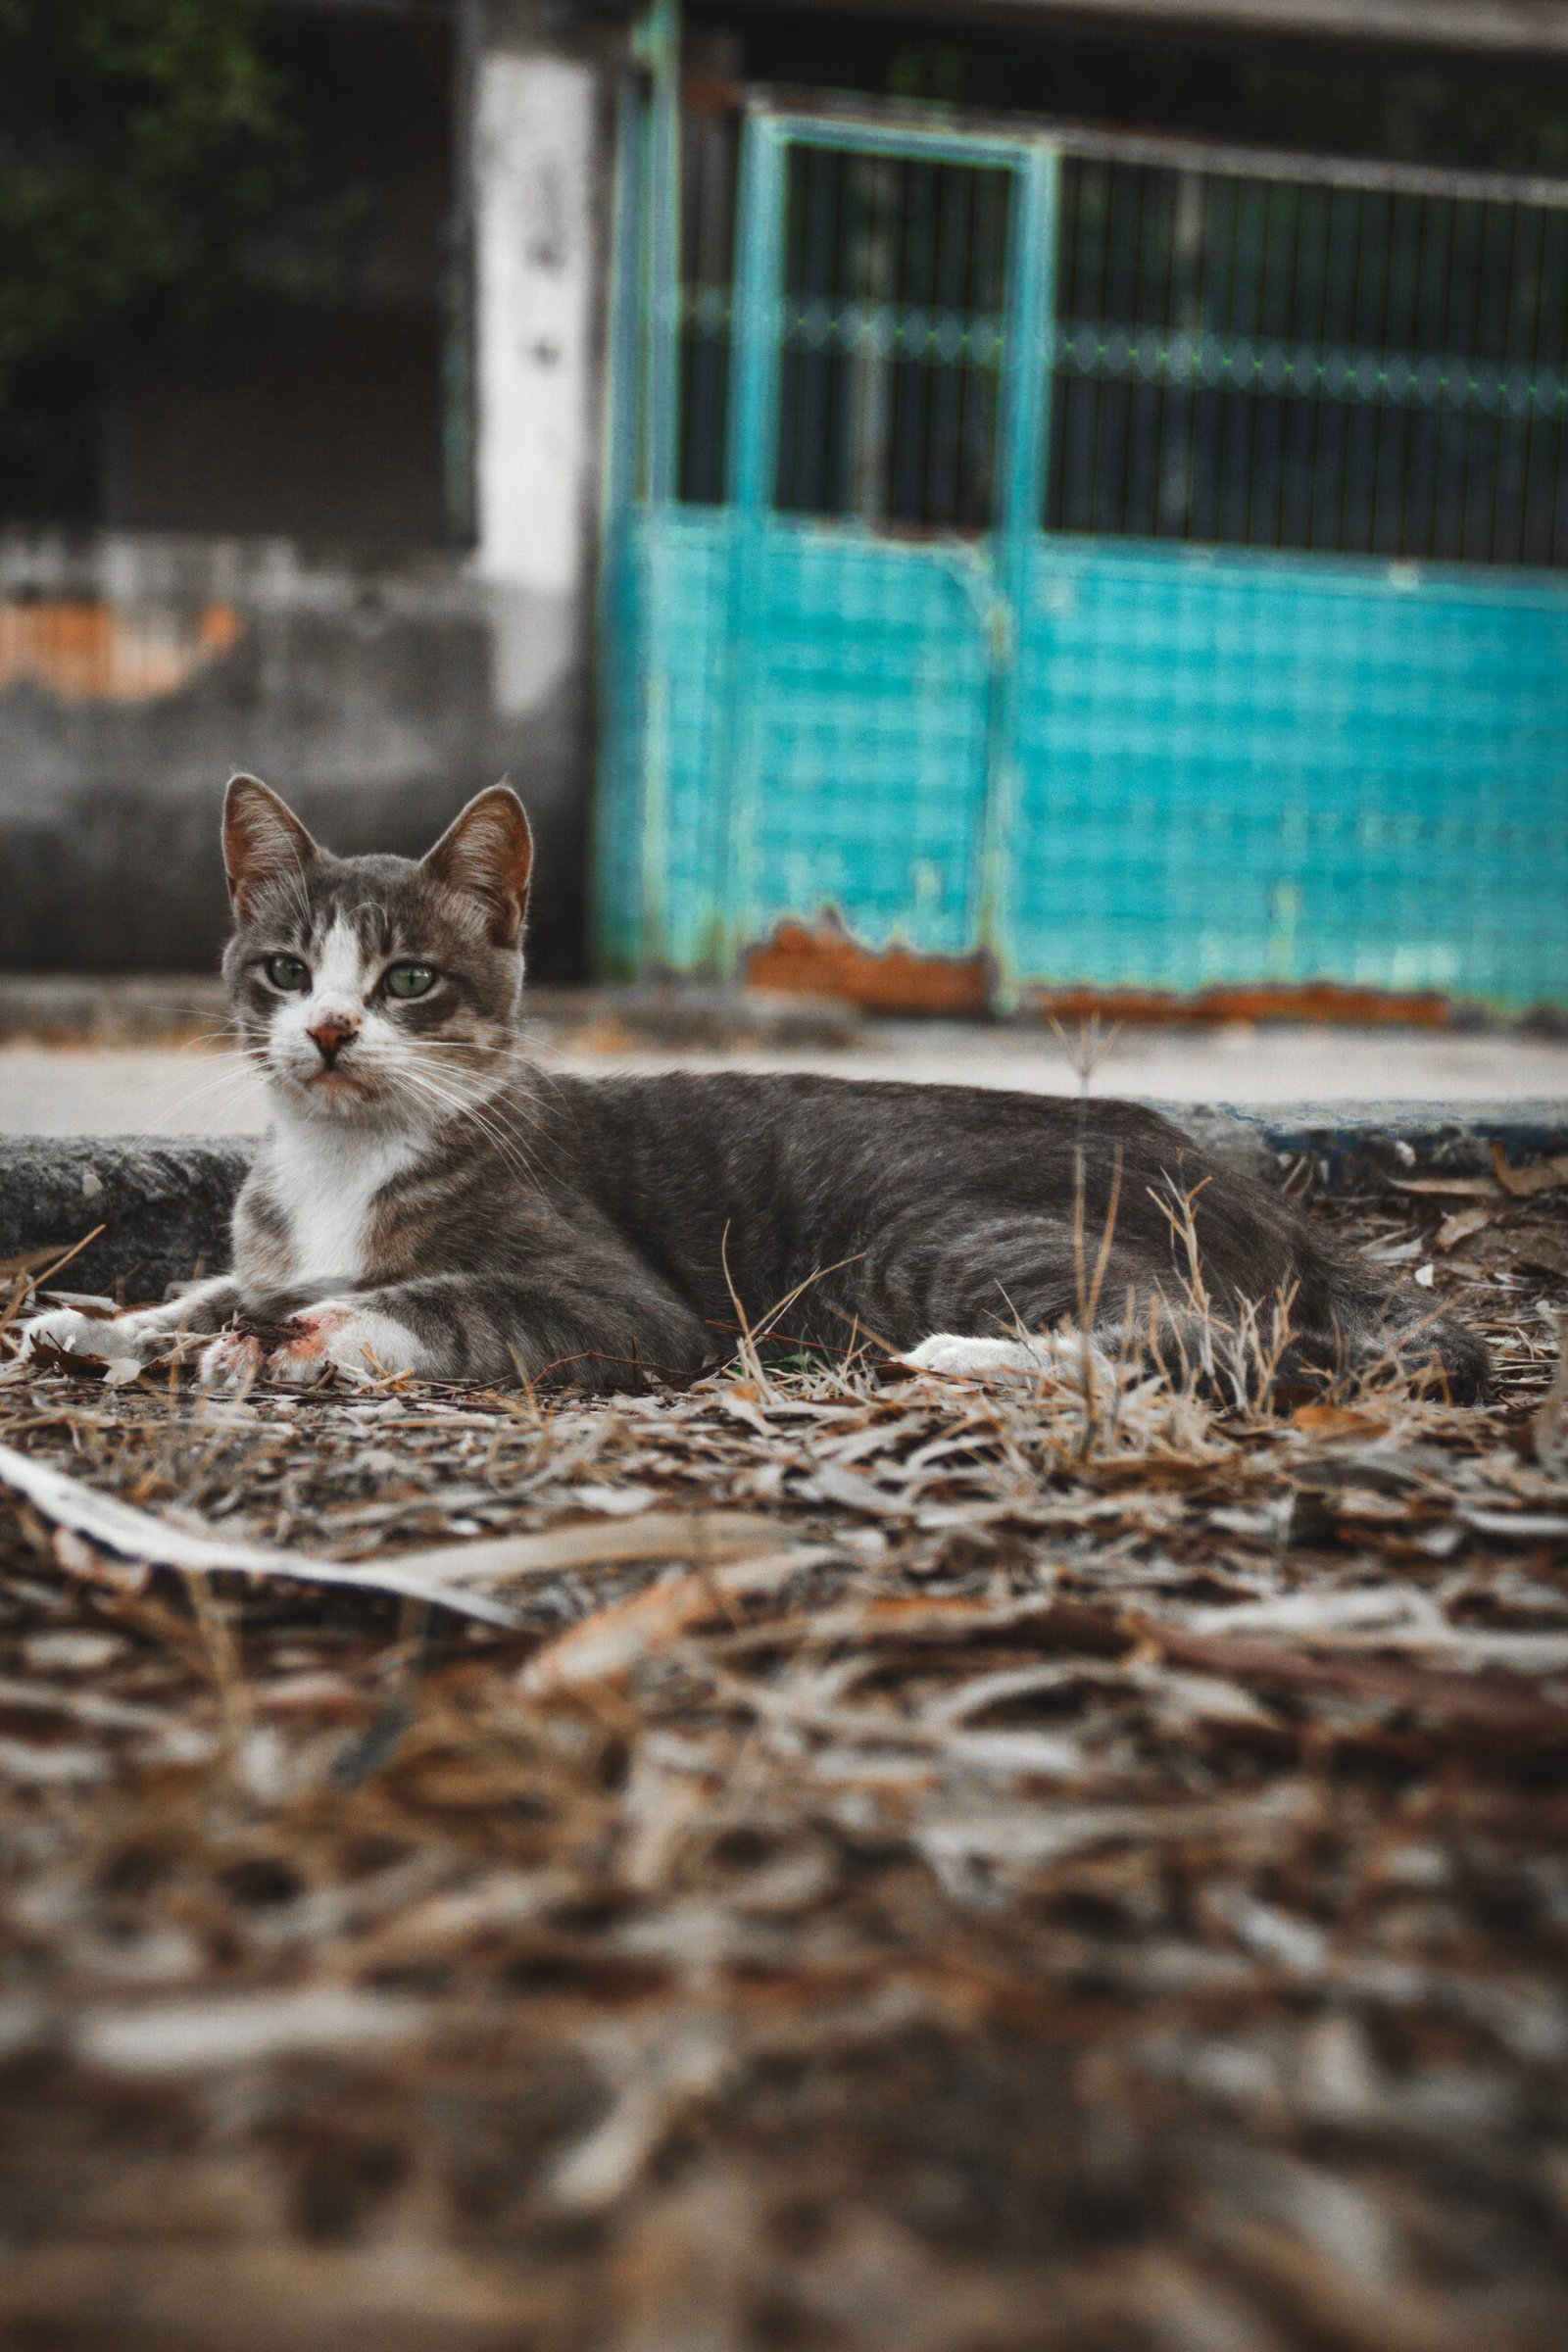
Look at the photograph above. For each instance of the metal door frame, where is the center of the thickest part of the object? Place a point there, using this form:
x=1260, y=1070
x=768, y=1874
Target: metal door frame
x=993, y=574
x=642, y=424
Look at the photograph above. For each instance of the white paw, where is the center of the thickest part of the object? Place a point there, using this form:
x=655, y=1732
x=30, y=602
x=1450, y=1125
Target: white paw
x=101, y=1339
x=962, y=1355
x=356, y=1339
x=233, y=1360
x=334, y=1336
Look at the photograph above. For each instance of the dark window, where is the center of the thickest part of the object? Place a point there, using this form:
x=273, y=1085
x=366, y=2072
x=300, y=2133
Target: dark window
x=1280, y=363
x=1294, y=361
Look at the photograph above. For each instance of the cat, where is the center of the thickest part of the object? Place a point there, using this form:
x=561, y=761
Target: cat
x=429, y=1201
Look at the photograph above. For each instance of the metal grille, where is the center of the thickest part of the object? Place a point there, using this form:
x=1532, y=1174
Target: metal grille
x=1260, y=363
x=1236, y=360
x=709, y=160
x=891, y=337
x=967, y=580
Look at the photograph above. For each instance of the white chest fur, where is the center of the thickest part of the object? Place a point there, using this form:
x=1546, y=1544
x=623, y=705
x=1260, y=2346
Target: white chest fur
x=326, y=1183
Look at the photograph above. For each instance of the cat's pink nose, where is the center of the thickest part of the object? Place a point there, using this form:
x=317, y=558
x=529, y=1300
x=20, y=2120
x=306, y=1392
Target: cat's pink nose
x=331, y=1037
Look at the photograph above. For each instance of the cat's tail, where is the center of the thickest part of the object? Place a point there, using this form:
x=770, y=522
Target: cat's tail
x=1352, y=1338
x=1406, y=1340
x=1358, y=1325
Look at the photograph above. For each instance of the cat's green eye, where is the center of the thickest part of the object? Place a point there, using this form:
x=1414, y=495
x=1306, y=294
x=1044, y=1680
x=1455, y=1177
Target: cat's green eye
x=289, y=973
x=410, y=980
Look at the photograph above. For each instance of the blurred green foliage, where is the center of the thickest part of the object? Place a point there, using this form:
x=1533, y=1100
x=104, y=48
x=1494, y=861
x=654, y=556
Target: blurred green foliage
x=143, y=150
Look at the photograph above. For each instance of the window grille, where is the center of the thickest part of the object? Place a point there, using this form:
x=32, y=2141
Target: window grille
x=710, y=159
x=1247, y=359
x=1259, y=363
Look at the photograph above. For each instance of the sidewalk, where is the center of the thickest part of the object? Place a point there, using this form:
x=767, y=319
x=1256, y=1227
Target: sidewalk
x=172, y=1089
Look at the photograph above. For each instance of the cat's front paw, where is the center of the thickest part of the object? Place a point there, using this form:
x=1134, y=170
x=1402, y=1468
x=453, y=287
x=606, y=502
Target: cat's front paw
x=337, y=1336
x=96, y=1339
x=233, y=1360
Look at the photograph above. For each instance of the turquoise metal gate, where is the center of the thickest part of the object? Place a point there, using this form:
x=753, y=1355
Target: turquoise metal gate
x=1056, y=557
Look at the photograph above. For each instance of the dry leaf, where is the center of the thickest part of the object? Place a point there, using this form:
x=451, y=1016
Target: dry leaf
x=614, y=1639
x=1139, y=1796
x=187, y=2037
x=1548, y=1251
x=1535, y=1175
x=1448, y=1188
x=1461, y=1225
x=597, y=1544
x=1340, y=1421
x=142, y=1538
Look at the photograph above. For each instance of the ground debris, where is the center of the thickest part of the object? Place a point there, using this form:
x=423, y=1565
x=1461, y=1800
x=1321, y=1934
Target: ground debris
x=917, y=1867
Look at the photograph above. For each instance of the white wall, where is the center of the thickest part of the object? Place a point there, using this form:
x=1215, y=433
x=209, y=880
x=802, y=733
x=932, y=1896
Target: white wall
x=532, y=280
x=533, y=164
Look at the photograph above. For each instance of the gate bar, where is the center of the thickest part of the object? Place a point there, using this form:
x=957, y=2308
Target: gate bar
x=1027, y=345
x=1019, y=501
x=901, y=120
x=854, y=135
x=753, y=453
x=750, y=468
x=660, y=41
x=619, y=800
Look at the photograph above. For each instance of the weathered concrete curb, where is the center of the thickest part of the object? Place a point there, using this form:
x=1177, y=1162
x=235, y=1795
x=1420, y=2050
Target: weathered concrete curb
x=164, y=1207
x=1363, y=1148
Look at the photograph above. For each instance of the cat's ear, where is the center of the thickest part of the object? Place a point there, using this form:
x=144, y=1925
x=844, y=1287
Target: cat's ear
x=264, y=839
x=487, y=853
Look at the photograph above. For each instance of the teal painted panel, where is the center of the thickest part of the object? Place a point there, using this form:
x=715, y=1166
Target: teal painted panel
x=1230, y=769
x=662, y=822
x=862, y=753
x=623, y=684
x=686, y=561
x=1248, y=769
x=1111, y=761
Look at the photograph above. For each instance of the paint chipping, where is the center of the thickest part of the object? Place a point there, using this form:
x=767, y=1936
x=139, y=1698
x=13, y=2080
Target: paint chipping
x=1310, y=1001
x=823, y=959
x=91, y=651
x=825, y=962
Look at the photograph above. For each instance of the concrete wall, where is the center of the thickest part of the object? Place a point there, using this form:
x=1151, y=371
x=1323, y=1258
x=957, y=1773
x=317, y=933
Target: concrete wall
x=139, y=667
x=138, y=671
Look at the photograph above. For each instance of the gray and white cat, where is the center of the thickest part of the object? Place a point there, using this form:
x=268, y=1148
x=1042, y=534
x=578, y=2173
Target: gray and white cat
x=429, y=1201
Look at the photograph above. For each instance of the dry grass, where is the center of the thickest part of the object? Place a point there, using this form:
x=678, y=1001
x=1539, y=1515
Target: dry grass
x=1038, y=1871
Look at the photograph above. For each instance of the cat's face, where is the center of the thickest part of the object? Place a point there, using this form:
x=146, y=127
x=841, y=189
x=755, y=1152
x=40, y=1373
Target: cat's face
x=375, y=990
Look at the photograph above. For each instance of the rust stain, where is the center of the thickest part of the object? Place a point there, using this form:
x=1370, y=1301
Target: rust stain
x=826, y=961
x=1311, y=1001
x=90, y=651
x=710, y=95
x=822, y=959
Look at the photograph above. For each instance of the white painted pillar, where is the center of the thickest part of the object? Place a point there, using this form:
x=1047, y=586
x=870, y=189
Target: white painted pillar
x=533, y=162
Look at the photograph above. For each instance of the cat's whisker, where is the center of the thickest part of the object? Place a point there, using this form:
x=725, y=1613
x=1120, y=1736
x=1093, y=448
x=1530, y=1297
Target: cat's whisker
x=444, y=1091
x=514, y=1148
x=490, y=1098
x=511, y=1147
x=231, y=1080
x=209, y=1041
